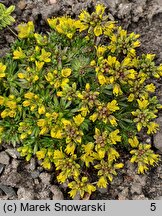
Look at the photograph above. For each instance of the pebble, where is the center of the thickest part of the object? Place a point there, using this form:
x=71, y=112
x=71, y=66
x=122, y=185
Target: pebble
x=52, y=1
x=136, y=188
x=124, y=194
x=25, y=194
x=44, y=195
x=57, y=194
x=21, y=4
x=102, y=190
x=15, y=164
x=4, y=158
x=35, y=174
x=32, y=165
x=12, y=153
x=1, y=168
x=158, y=136
x=9, y=191
x=45, y=178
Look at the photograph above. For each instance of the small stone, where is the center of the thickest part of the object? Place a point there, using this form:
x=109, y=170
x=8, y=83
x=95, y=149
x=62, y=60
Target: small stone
x=35, y=174
x=148, y=140
x=45, y=178
x=57, y=194
x=102, y=190
x=32, y=165
x=136, y=188
x=124, y=9
x=21, y=4
x=4, y=158
x=1, y=168
x=13, y=153
x=9, y=191
x=124, y=194
x=139, y=197
x=160, y=176
x=44, y=195
x=158, y=136
x=9, y=38
x=77, y=196
x=158, y=198
x=36, y=181
x=25, y=194
x=15, y=164
x=52, y=1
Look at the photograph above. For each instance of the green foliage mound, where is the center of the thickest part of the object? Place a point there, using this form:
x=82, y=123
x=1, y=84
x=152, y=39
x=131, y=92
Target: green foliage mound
x=77, y=97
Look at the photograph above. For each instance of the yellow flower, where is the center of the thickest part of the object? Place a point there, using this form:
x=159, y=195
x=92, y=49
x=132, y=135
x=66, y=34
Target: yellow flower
x=64, y=82
x=133, y=142
x=97, y=30
x=41, y=40
x=112, y=120
x=21, y=75
x=61, y=178
x=114, y=137
x=131, y=97
x=93, y=63
x=66, y=72
x=102, y=182
x=2, y=70
x=46, y=163
x=58, y=154
x=101, y=79
x=90, y=188
x=41, y=122
x=18, y=54
x=52, y=22
x=84, y=16
x=43, y=131
x=41, y=109
x=93, y=117
x=4, y=114
x=143, y=104
x=25, y=30
x=1, y=100
x=70, y=148
x=142, y=168
x=39, y=65
x=118, y=166
x=100, y=51
x=56, y=133
x=117, y=90
x=78, y=119
x=29, y=95
x=113, y=106
x=89, y=147
x=41, y=154
x=112, y=154
x=100, y=9
x=139, y=126
x=101, y=153
x=150, y=87
x=84, y=111
x=44, y=57
x=26, y=103
x=23, y=136
x=11, y=104
x=152, y=127
x=65, y=122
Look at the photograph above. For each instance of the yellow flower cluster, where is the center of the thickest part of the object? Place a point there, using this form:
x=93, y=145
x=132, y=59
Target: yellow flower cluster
x=142, y=155
x=73, y=101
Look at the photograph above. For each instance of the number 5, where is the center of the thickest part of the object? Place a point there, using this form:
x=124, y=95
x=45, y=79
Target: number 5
x=153, y=207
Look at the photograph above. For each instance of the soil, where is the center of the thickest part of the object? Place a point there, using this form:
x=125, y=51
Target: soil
x=22, y=180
